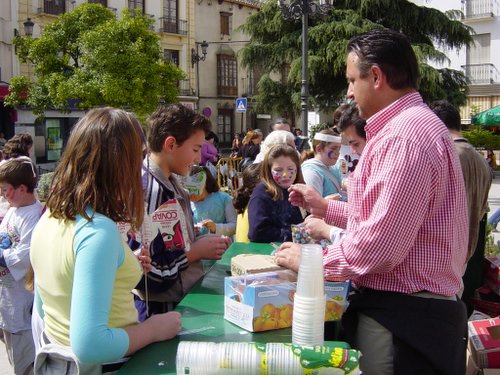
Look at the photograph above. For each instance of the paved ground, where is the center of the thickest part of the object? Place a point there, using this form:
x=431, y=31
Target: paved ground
x=493, y=199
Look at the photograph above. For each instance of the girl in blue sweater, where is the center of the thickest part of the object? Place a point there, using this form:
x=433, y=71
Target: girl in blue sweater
x=270, y=215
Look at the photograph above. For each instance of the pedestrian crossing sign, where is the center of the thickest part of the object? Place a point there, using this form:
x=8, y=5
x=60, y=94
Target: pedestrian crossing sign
x=241, y=105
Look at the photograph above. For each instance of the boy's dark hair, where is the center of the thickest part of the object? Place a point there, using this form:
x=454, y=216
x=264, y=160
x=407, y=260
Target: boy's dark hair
x=392, y=52
x=251, y=177
x=350, y=117
x=338, y=113
x=18, y=145
x=177, y=121
x=19, y=171
x=448, y=113
x=210, y=183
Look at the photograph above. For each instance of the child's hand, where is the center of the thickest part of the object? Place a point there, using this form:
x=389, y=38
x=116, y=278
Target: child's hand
x=210, y=225
x=165, y=326
x=210, y=246
x=144, y=258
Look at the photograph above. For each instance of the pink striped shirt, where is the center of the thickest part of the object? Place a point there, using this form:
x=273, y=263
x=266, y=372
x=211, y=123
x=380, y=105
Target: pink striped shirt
x=406, y=219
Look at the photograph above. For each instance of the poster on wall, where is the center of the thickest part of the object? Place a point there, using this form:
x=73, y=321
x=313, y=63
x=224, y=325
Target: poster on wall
x=54, y=143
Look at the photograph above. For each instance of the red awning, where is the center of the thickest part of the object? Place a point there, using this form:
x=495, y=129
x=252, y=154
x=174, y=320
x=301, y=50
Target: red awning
x=4, y=91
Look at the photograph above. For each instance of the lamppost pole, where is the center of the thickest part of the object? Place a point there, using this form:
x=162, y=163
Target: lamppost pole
x=296, y=9
x=195, y=59
x=304, y=90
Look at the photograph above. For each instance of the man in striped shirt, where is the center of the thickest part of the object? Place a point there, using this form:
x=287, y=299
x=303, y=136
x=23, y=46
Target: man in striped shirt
x=406, y=220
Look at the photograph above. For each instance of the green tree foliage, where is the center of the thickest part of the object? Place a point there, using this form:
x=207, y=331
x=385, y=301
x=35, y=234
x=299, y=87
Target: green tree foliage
x=276, y=45
x=482, y=138
x=89, y=56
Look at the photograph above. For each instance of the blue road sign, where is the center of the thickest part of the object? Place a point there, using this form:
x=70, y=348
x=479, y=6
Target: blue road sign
x=241, y=105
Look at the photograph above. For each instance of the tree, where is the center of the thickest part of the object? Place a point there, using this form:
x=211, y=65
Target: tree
x=275, y=47
x=90, y=57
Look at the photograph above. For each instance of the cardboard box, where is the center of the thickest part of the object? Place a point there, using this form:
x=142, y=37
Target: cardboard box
x=474, y=369
x=264, y=301
x=486, y=301
x=484, y=342
x=492, y=274
x=244, y=264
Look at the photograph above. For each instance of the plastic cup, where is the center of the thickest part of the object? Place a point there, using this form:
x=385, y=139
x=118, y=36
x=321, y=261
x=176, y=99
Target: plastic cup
x=196, y=358
x=310, y=280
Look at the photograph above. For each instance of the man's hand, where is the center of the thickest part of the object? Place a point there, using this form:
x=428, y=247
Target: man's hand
x=308, y=198
x=288, y=256
x=317, y=228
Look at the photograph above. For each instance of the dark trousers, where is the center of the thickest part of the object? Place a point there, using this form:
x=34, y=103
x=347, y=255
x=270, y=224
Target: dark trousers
x=474, y=274
x=429, y=335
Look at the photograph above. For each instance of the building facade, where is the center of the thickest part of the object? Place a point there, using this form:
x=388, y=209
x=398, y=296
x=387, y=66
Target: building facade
x=481, y=61
x=221, y=78
x=173, y=21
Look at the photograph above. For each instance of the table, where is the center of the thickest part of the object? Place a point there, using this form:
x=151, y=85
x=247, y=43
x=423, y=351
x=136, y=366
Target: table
x=202, y=312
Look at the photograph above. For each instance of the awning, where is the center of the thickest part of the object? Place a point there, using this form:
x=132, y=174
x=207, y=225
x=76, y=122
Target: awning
x=4, y=91
x=490, y=117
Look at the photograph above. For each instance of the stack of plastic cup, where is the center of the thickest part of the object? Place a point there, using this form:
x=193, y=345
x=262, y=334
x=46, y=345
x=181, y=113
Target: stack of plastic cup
x=210, y=358
x=309, y=301
x=281, y=360
x=203, y=362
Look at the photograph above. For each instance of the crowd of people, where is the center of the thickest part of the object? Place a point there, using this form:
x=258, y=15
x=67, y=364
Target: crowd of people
x=107, y=272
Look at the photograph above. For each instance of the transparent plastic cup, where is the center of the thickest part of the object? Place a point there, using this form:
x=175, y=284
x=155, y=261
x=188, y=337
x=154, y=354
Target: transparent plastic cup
x=280, y=360
x=310, y=279
x=195, y=358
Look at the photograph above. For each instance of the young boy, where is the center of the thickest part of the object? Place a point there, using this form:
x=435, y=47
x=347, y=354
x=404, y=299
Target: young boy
x=17, y=182
x=175, y=141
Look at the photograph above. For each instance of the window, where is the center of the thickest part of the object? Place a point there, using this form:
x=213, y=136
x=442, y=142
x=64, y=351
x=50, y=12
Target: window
x=136, y=4
x=170, y=18
x=171, y=55
x=479, y=51
x=225, y=23
x=225, y=125
x=54, y=6
x=104, y=3
x=254, y=76
x=227, y=75
x=478, y=69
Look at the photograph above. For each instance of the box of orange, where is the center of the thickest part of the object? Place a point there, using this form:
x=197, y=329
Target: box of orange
x=264, y=301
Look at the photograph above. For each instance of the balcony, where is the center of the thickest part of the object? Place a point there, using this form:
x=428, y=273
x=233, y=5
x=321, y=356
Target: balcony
x=54, y=7
x=480, y=9
x=173, y=25
x=481, y=74
x=185, y=88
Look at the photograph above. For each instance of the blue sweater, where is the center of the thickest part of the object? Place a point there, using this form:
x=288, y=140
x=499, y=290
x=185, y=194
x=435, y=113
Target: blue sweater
x=269, y=220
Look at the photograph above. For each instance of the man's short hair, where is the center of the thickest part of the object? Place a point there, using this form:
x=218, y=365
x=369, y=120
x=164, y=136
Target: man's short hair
x=177, y=121
x=279, y=121
x=392, y=52
x=447, y=113
x=19, y=171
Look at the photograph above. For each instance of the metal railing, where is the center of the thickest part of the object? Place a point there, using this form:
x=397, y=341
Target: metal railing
x=481, y=74
x=185, y=88
x=52, y=6
x=173, y=25
x=481, y=8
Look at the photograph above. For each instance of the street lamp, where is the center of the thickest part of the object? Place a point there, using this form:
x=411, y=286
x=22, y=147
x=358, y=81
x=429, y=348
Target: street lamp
x=195, y=59
x=295, y=10
x=28, y=27
x=195, y=56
